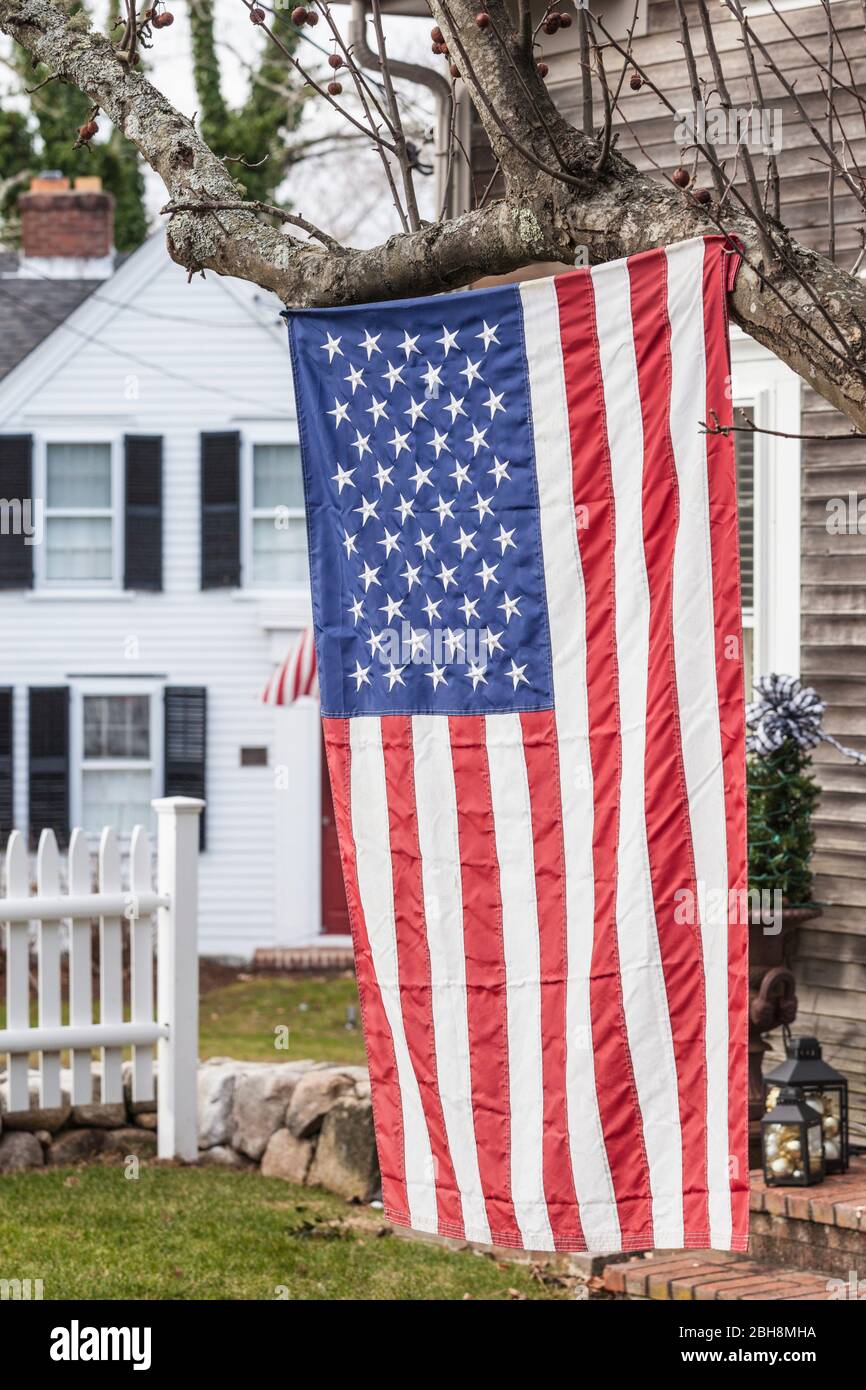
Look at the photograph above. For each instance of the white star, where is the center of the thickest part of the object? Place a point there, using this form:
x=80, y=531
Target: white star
x=455, y=406
x=360, y=675
x=383, y=476
x=391, y=541
x=469, y=607
x=355, y=378
x=503, y=540
x=368, y=577
x=431, y=608
x=332, y=348
x=466, y=541
x=500, y=470
x=476, y=674
x=410, y=574
x=481, y=505
x=446, y=576
x=510, y=607
x=405, y=508
x=460, y=474
x=471, y=372
x=454, y=642
x=340, y=412
x=370, y=344
x=377, y=410
x=368, y=509
x=398, y=443
x=477, y=440
x=437, y=676
x=492, y=640
x=374, y=642
x=433, y=378
x=348, y=543
x=494, y=402
x=516, y=674
x=362, y=444
x=392, y=376
x=410, y=345
x=425, y=543
x=418, y=642
x=343, y=477
x=416, y=410
x=487, y=574
x=444, y=509
x=356, y=608
x=394, y=676
x=392, y=606
x=421, y=477
x=439, y=442
x=489, y=335
x=448, y=340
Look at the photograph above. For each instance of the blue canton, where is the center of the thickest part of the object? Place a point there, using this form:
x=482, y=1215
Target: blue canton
x=422, y=506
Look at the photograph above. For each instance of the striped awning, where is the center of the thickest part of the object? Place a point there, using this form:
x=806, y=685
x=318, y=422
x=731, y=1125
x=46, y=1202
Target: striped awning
x=296, y=676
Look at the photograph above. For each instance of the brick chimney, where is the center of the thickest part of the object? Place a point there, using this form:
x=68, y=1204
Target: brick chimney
x=67, y=232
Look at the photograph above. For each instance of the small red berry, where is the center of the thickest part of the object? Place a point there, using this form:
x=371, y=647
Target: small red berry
x=312, y=17
x=257, y=16
x=681, y=177
x=635, y=81
x=335, y=88
x=565, y=21
x=157, y=21
x=551, y=24
x=482, y=20
x=702, y=195
x=543, y=69
x=436, y=34
x=436, y=48
x=335, y=61
x=454, y=71
x=299, y=15
x=87, y=131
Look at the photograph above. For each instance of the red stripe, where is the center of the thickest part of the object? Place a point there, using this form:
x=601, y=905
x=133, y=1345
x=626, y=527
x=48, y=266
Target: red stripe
x=281, y=682
x=542, y=771
x=725, y=545
x=669, y=836
x=413, y=958
x=591, y=480
x=485, y=973
x=381, y=1058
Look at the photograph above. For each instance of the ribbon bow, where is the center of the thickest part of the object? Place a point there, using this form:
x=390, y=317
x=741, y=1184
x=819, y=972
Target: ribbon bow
x=785, y=709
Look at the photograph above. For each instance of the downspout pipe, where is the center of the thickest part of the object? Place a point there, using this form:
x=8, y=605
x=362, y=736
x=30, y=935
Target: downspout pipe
x=422, y=76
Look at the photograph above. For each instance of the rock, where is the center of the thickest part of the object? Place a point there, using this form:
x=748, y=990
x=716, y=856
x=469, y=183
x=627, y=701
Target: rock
x=44, y=1138
x=35, y=1117
x=221, y=1156
x=129, y=1141
x=313, y=1097
x=99, y=1116
x=76, y=1146
x=216, y=1091
x=18, y=1151
x=146, y=1121
x=260, y=1103
x=287, y=1157
x=346, y=1161
x=138, y=1107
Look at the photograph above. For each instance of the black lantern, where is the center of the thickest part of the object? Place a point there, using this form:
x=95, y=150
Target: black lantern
x=792, y=1146
x=825, y=1089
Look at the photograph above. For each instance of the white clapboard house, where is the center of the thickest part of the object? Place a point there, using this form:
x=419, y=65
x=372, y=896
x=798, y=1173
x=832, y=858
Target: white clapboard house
x=160, y=572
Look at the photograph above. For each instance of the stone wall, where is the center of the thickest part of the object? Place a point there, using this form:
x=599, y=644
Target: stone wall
x=306, y=1122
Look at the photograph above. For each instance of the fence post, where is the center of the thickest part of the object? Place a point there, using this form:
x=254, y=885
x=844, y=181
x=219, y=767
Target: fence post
x=177, y=975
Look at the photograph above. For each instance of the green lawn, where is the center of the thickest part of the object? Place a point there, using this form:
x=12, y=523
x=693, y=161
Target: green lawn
x=182, y=1233
x=247, y=1018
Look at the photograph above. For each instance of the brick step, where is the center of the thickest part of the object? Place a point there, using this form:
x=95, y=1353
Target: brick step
x=314, y=959
x=822, y=1227
x=709, y=1275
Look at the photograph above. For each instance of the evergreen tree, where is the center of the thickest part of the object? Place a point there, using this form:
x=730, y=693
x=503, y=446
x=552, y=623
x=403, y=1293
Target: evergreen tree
x=782, y=794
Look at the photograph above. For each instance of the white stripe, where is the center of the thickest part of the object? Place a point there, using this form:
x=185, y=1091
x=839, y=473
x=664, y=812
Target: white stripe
x=436, y=805
x=566, y=602
x=370, y=831
x=645, y=1001
x=512, y=824
x=694, y=647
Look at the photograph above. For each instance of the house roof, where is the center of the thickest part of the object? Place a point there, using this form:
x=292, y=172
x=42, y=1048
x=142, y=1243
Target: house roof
x=31, y=309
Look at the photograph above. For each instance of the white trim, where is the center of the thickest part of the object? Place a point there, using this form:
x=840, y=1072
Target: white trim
x=80, y=433
x=104, y=685
x=263, y=432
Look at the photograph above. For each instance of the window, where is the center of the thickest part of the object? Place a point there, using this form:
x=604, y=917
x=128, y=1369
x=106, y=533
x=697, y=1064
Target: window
x=117, y=762
x=79, y=514
x=278, y=536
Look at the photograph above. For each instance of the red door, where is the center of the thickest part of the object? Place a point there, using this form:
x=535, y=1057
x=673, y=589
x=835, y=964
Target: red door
x=335, y=910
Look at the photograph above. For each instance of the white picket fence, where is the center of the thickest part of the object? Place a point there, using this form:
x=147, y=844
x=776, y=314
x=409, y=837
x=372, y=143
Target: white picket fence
x=170, y=1022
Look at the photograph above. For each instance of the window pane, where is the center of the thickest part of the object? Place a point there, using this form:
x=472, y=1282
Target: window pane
x=744, y=445
x=279, y=552
x=117, y=726
x=277, y=478
x=78, y=475
x=118, y=798
x=78, y=548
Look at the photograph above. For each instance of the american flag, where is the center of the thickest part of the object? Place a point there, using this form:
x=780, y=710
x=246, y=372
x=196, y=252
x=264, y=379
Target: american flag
x=524, y=565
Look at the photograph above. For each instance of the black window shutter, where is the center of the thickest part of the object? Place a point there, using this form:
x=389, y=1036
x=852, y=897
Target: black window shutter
x=185, y=741
x=6, y=782
x=143, y=512
x=16, y=487
x=220, y=510
x=49, y=762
